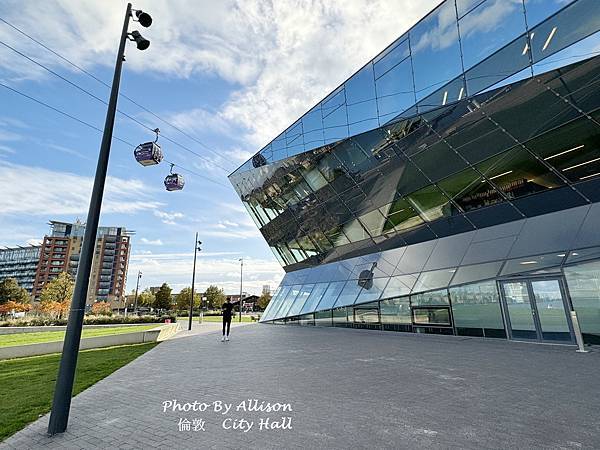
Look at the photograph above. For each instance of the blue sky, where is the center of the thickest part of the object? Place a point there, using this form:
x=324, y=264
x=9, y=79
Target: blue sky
x=232, y=74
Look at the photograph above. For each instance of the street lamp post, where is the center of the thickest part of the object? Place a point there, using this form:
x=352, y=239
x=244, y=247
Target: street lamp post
x=137, y=286
x=197, y=248
x=241, y=282
x=63, y=391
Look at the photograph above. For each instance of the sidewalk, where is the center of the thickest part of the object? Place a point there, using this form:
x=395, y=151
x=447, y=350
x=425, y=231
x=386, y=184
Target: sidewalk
x=345, y=388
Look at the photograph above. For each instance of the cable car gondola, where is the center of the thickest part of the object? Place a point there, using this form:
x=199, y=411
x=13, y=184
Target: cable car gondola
x=174, y=181
x=149, y=153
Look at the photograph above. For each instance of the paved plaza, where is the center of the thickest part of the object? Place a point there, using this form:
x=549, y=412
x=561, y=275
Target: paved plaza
x=346, y=389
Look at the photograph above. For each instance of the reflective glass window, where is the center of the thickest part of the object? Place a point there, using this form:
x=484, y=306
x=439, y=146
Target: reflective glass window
x=539, y=10
x=354, y=231
x=400, y=216
x=464, y=6
x=574, y=149
x=430, y=298
x=399, y=285
x=331, y=295
x=300, y=300
x=517, y=173
x=373, y=222
x=533, y=263
x=312, y=124
x=431, y=316
x=467, y=274
x=395, y=310
x=489, y=27
x=272, y=304
x=583, y=254
x=367, y=313
x=335, y=118
x=313, y=299
x=434, y=44
x=573, y=23
x=360, y=97
x=390, y=57
x=583, y=281
x=288, y=301
x=276, y=302
x=438, y=161
x=430, y=203
x=469, y=190
x=323, y=318
x=395, y=92
x=505, y=62
x=434, y=279
x=372, y=291
x=348, y=294
x=476, y=306
x=339, y=317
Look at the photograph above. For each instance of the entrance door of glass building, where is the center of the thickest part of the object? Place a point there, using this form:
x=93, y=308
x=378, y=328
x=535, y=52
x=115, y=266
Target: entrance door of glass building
x=536, y=310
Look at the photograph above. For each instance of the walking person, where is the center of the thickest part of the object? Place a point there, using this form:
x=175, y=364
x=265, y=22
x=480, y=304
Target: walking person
x=227, y=309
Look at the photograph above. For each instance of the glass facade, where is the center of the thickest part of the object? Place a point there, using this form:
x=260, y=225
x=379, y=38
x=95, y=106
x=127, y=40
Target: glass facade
x=451, y=185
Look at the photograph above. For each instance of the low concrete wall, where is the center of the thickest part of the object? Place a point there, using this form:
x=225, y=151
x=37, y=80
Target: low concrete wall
x=16, y=330
x=137, y=337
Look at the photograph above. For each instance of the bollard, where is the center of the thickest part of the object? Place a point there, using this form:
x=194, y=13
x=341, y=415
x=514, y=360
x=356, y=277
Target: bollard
x=577, y=330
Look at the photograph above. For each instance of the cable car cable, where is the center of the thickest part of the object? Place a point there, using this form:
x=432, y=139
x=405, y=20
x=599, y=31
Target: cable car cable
x=93, y=127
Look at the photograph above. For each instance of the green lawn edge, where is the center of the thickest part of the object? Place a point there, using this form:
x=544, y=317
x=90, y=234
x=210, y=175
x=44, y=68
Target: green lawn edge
x=27, y=384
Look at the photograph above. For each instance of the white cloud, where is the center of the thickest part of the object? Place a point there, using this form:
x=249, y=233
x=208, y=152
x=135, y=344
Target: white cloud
x=43, y=192
x=151, y=242
x=280, y=56
x=168, y=218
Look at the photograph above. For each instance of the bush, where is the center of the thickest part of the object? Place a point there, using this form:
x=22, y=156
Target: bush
x=88, y=320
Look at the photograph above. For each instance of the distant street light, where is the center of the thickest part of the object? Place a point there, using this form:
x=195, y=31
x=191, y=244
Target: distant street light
x=137, y=285
x=197, y=248
x=241, y=260
x=63, y=391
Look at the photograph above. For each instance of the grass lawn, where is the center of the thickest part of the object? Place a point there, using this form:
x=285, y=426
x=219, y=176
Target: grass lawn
x=11, y=340
x=214, y=319
x=27, y=384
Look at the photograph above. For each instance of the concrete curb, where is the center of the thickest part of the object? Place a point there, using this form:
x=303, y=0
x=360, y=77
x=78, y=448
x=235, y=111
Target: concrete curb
x=138, y=337
x=16, y=330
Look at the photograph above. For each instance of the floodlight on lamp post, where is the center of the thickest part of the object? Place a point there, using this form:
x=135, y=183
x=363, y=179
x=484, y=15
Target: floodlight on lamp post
x=197, y=248
x=63, y=391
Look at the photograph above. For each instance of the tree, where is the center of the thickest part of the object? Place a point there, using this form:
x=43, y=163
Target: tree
x=11, y=291
x=102, y=309
x=182, y=299
x=163, y=297
x=263, y=300
x=146, y=298
x=215, y=297
x=59, y=290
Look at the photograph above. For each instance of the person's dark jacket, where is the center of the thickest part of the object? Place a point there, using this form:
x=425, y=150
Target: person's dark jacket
x=228, y=309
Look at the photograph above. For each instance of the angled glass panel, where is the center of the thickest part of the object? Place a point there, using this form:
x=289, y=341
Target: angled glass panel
x=517, y=173
x=488, y=27
x=476, y=306
x=312, y=124
x=431, y=203
x=575, y=22
x=392, y=56
x=395, y=311
x=400, y=216
x=430, y=298
x=574, y=149
x=274, y=300
x=330, y=295
x=374, y=222
x=366, y=313
x=583, y=254
x=451, y=92
x=276, y=303
x=469, y=190
x=399, y=285
x=414, y=258
x=395, y=92
x=348, y=294
x=314, y=298
x=360, y=98
x=583, y=281
x=438, y=161
x=433, y=280
x=372, y=291
x=340, y=316
x=434, y=43
x=464, y=6
x=354, y=231
x=299, y=301
x=323, y=318
x=531, y=263
x=539, y=10
x=286, y=304
x=477, y=272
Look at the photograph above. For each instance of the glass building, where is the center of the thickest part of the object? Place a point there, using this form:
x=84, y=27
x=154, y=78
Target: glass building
x=451, y=185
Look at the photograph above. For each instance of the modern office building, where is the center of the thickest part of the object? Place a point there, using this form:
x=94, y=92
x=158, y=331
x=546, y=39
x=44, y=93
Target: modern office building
x=21, y=264
x=451, y=185
x=60, y=252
